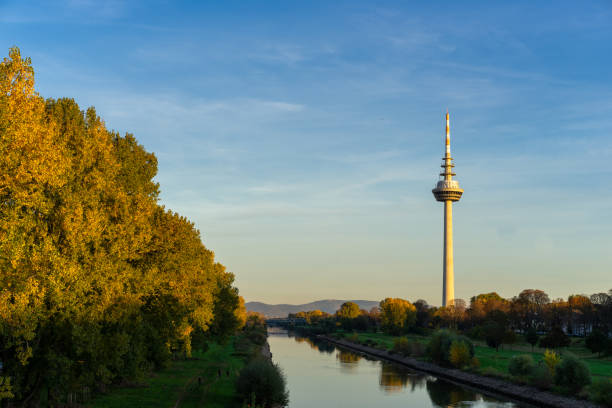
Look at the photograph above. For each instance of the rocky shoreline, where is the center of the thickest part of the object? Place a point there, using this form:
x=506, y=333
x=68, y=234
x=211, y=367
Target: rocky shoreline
x=518, y=392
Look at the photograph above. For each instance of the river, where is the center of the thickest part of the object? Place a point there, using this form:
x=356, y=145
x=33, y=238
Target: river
x=322, y=375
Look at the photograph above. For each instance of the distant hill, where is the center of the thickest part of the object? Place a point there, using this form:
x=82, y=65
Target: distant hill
x=328, y=306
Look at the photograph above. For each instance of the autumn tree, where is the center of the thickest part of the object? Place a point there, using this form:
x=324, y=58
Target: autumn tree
x=98, y=282
x=348, y=310
x=527, y=309
x=396, y=315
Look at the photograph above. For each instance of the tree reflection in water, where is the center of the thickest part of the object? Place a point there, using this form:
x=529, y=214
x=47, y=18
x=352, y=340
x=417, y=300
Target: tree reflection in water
x=394, y=378
x=315, y=344
x=446, y=394
x=347, y=359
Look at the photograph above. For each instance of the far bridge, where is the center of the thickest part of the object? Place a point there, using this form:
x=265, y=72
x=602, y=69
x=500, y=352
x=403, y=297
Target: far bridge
x=285, y=321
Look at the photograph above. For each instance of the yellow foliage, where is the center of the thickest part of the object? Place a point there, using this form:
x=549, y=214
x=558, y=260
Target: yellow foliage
x=241, y=313
x=397, y=314
x=5, y=388
x=459, y=354
x=552, y=360
x=90, y=261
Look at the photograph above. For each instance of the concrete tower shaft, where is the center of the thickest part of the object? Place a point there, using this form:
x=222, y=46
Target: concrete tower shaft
x=447, y=191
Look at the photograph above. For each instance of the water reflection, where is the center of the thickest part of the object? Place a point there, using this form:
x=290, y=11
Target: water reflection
x=337, y=377
x=445, y=394
x=316, y=344
x=347, y=359
x=394, y=378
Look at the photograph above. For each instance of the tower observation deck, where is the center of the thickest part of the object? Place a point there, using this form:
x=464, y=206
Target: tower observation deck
x=447, y=191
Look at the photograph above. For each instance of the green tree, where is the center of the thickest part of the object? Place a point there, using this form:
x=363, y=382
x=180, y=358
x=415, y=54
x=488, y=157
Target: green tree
x=532, y=337
x=597, y=341
x=494, y=334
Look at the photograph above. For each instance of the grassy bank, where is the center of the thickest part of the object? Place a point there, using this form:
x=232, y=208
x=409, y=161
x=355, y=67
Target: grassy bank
x=488, y=357
x=179, y=384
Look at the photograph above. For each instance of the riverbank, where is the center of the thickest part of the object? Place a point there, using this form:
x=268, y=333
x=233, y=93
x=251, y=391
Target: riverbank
x=499, y=359
x=518, y=392
x=206, y=379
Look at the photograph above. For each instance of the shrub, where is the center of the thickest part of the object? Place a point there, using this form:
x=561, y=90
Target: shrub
x=552, y=360
x=402, y=346
x=459, y=354
x=438, y=348
x=264, y=382
x=475, y=363
x=541, y=377
x=601, y=392
x=521, y=366
x=492, y=372
x=572, y=373
x=438, y=345
x=353, y=337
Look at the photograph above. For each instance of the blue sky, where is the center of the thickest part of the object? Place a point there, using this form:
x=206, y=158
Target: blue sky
x=304, y=138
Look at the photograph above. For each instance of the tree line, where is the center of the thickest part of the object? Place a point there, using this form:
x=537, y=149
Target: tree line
x=488, y=316
x=99, y=283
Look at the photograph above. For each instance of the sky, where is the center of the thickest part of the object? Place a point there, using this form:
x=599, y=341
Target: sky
x=303, y=138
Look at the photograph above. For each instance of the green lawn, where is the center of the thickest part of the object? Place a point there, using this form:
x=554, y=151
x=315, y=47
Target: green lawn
x=177, y=386
x=599, y=367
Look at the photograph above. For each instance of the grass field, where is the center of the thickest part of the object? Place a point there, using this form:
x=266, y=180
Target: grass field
x=178, y=385
x=488, y=357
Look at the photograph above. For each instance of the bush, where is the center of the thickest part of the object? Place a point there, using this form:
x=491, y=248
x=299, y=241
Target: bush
x=521, y=366
x=475, y=363
x=492, y=372
x=264, y=382
x=438, y=348
x=353, y=338
x=552, y=360
x=541, y=377
x=402, y=346
x=601, y=392
x=572, y=374
x=459, y=354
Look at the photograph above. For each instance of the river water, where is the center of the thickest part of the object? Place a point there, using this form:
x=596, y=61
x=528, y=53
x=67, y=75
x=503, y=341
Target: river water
x=321, y=375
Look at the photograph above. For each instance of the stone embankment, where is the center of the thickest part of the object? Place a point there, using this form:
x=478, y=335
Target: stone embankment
x=517, y=392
